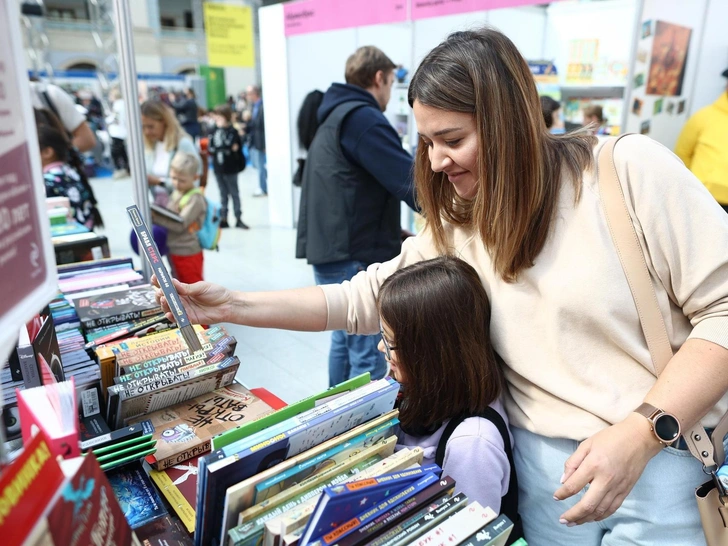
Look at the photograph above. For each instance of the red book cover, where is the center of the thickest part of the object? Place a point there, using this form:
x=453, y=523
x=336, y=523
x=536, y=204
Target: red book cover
x=26, y=488
x=87, y=511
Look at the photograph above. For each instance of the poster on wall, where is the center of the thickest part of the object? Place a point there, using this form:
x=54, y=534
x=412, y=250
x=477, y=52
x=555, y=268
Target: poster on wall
x=669, y=57
x=583, y=55
x=229, y=35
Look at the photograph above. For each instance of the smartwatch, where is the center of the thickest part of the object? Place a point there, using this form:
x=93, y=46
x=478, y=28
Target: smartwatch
x=665, y=426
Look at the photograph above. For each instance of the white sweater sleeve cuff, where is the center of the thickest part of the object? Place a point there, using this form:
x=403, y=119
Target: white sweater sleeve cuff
x=713, y=329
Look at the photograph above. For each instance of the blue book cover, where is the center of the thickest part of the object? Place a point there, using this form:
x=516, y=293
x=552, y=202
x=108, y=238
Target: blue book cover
x=341, y=504
x=136, y=494
x=220, y=474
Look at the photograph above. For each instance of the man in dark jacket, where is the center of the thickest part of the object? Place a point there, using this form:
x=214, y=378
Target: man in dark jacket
x=256, y=132
x=356, y=174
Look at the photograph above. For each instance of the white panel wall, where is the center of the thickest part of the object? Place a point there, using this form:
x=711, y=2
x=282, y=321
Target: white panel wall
x=526, y=26
x=428, y=33
x=237, y=79
x=713, y=58
x=274, y=59
x=664, y=126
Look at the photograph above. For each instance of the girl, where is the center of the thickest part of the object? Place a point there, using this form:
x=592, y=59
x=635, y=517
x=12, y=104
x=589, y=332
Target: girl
x=435, y=320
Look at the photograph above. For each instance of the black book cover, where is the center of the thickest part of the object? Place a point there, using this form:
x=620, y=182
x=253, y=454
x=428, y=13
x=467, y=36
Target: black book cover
x=115, y=307
x=45, y=345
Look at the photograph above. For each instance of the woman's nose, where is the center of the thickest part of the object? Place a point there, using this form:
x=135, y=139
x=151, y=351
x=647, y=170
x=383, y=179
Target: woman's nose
x=439, y=160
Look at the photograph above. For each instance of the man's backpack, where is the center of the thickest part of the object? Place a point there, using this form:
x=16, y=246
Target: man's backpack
x=210, y=231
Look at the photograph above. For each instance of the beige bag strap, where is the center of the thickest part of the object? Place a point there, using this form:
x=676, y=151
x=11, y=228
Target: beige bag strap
x=633, y=262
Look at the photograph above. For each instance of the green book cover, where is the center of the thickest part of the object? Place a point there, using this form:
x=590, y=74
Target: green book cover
x=282, y=414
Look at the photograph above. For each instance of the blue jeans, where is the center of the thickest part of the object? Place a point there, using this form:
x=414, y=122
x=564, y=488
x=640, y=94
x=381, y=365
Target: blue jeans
x=353, y=355
x=660, y=509
x=259, y=162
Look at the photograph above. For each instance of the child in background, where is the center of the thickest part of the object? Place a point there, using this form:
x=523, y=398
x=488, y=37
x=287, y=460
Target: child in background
x=435, y=326
x=185, y=252
x=227, y=157
x=60, y=179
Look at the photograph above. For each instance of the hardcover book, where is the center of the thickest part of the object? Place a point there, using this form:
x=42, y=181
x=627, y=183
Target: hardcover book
x=495, y=533
x=458, y=527
x=114, y=307
x=136, y=494
x=184, y=431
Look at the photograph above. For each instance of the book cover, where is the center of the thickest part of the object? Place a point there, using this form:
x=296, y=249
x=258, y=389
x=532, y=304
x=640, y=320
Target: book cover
x=26, y=486
x=45, y=347
x=150, y=398
x=421, y=521
x=495, y=533
x=136, y=494
x=342, y=503
x=137, y=349
x=458, y=527
x=165, y=531
x=87, y=511
x=123, y=305
x=319, y=425
x=184, y=431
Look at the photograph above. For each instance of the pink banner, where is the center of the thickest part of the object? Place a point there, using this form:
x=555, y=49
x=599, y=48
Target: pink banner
x=319, y=15
x=423, y=9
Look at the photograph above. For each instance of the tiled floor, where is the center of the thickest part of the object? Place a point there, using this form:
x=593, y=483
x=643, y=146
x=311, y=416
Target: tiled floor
x=292, y=365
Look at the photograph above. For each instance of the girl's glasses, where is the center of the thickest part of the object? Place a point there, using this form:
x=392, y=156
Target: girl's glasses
x=387, y=347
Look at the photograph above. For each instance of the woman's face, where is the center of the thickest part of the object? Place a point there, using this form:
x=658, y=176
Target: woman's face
x=452, y=146
x=153, y=129
x=394, y=369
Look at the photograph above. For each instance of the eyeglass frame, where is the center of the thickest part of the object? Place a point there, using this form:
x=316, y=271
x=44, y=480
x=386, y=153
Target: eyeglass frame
x=387, y=347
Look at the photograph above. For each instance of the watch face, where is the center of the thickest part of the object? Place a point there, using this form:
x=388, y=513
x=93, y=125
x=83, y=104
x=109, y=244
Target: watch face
x=667, y=428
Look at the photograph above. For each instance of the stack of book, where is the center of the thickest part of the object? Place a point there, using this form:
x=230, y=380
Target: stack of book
x=324, y=471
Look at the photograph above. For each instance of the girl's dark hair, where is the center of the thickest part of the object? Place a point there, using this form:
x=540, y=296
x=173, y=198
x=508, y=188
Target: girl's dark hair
x=548, y=107
x=48, y=137
x=308, y=118
x=439, y=315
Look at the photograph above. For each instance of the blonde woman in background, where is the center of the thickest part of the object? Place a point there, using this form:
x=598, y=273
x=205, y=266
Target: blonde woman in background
x=163, y=137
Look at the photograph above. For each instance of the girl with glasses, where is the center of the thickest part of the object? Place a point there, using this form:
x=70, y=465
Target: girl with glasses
x=435, y=320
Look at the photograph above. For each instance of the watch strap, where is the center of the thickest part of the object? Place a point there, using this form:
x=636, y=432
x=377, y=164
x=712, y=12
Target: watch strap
x=647, y=410
x=632, y=258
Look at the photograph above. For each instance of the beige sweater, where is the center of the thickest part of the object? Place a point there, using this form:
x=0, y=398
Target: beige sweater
x=568, y=330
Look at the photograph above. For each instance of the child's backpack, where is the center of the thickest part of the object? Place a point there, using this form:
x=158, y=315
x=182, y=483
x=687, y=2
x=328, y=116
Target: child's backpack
x=210, y=231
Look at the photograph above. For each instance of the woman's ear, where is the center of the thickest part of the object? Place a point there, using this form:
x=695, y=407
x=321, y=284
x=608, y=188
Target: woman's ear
x=47, y=154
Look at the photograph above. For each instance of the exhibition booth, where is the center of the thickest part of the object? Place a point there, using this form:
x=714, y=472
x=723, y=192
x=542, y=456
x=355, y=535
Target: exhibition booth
x=649, y=63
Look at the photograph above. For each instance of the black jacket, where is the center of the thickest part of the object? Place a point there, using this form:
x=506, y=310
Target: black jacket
x=256, y=130
x=224, y=159
x=356, y=173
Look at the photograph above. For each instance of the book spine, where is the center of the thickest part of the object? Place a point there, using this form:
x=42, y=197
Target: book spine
x=390, y=480
x=190, y=453
x=371, y=515
x=458, y=527
x=421, y=522
x=111, y=320
x=28, y=366
x=362, y=535
x=492, y=534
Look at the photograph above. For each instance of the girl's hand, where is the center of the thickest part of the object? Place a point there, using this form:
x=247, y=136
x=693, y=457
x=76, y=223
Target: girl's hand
x=205, y=303
x=153, y=180
x=610, y=462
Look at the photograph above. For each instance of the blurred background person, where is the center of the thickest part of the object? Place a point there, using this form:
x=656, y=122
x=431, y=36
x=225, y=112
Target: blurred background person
x=187, y=113
x=552, y=115
x=307, y=124
x=255, y=129
x=116, y=125
x=163, y=137
x=55, y=99
x=227, y=159
x=703, y=146
x=593, y=116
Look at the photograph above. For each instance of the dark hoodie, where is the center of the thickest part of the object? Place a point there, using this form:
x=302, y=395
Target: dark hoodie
x=369, y=141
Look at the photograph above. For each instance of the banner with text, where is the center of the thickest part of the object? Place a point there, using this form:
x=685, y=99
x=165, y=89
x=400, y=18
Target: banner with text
x=424, y=9
x=309, y=16
x=229, y=34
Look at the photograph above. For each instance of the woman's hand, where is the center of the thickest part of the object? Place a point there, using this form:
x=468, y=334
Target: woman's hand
x=153, y=180
x=611, y=462
x=206, y=303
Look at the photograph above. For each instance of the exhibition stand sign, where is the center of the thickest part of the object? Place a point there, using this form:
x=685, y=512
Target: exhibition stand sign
x=229, y=35
x=27, y=263
x=319, y=15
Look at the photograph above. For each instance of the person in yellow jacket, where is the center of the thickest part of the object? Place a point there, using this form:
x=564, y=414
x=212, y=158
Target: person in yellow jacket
x=703, y=147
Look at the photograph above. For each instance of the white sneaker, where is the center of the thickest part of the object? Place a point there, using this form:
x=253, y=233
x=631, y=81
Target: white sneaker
x=120, y=174
x=259, y=193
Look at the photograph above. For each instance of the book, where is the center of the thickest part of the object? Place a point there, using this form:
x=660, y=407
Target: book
x=240, y=496
x=121, y=453
x=52, y=409
x=294, y=521
x=46, y=350
x=172, y=493
x=126, y=329
x=114, y=307
x=219, y=471
x=185, y=430
x=166, y=213
x=458, y=527
x=164, y=531
x=289, y=411
x=421, y=521
x=26, y=363
x=494, y=533
x=124, y=406
x=391, y=514
x=341, y=504
x=136, y=494
x=163, y=278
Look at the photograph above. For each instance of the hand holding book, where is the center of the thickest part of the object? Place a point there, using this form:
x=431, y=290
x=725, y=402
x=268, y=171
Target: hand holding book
x=205, y=302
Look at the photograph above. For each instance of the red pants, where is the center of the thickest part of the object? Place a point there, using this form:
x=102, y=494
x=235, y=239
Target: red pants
x=187, y=269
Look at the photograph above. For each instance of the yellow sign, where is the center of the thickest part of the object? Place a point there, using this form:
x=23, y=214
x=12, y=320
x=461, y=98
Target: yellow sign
x=229, y=33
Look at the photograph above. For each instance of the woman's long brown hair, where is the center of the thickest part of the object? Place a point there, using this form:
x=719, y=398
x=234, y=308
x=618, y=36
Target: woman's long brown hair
x=520, y=164
x=439, y=314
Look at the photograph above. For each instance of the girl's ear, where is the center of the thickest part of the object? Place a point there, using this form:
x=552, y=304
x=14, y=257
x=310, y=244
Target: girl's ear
x=47, y=154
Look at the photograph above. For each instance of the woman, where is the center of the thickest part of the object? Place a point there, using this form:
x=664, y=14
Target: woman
x=522, y=207
x=163, y=137
x=552, y=115
x=594, y=120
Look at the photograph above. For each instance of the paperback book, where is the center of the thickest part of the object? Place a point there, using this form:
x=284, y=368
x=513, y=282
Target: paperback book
x=114, y=307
